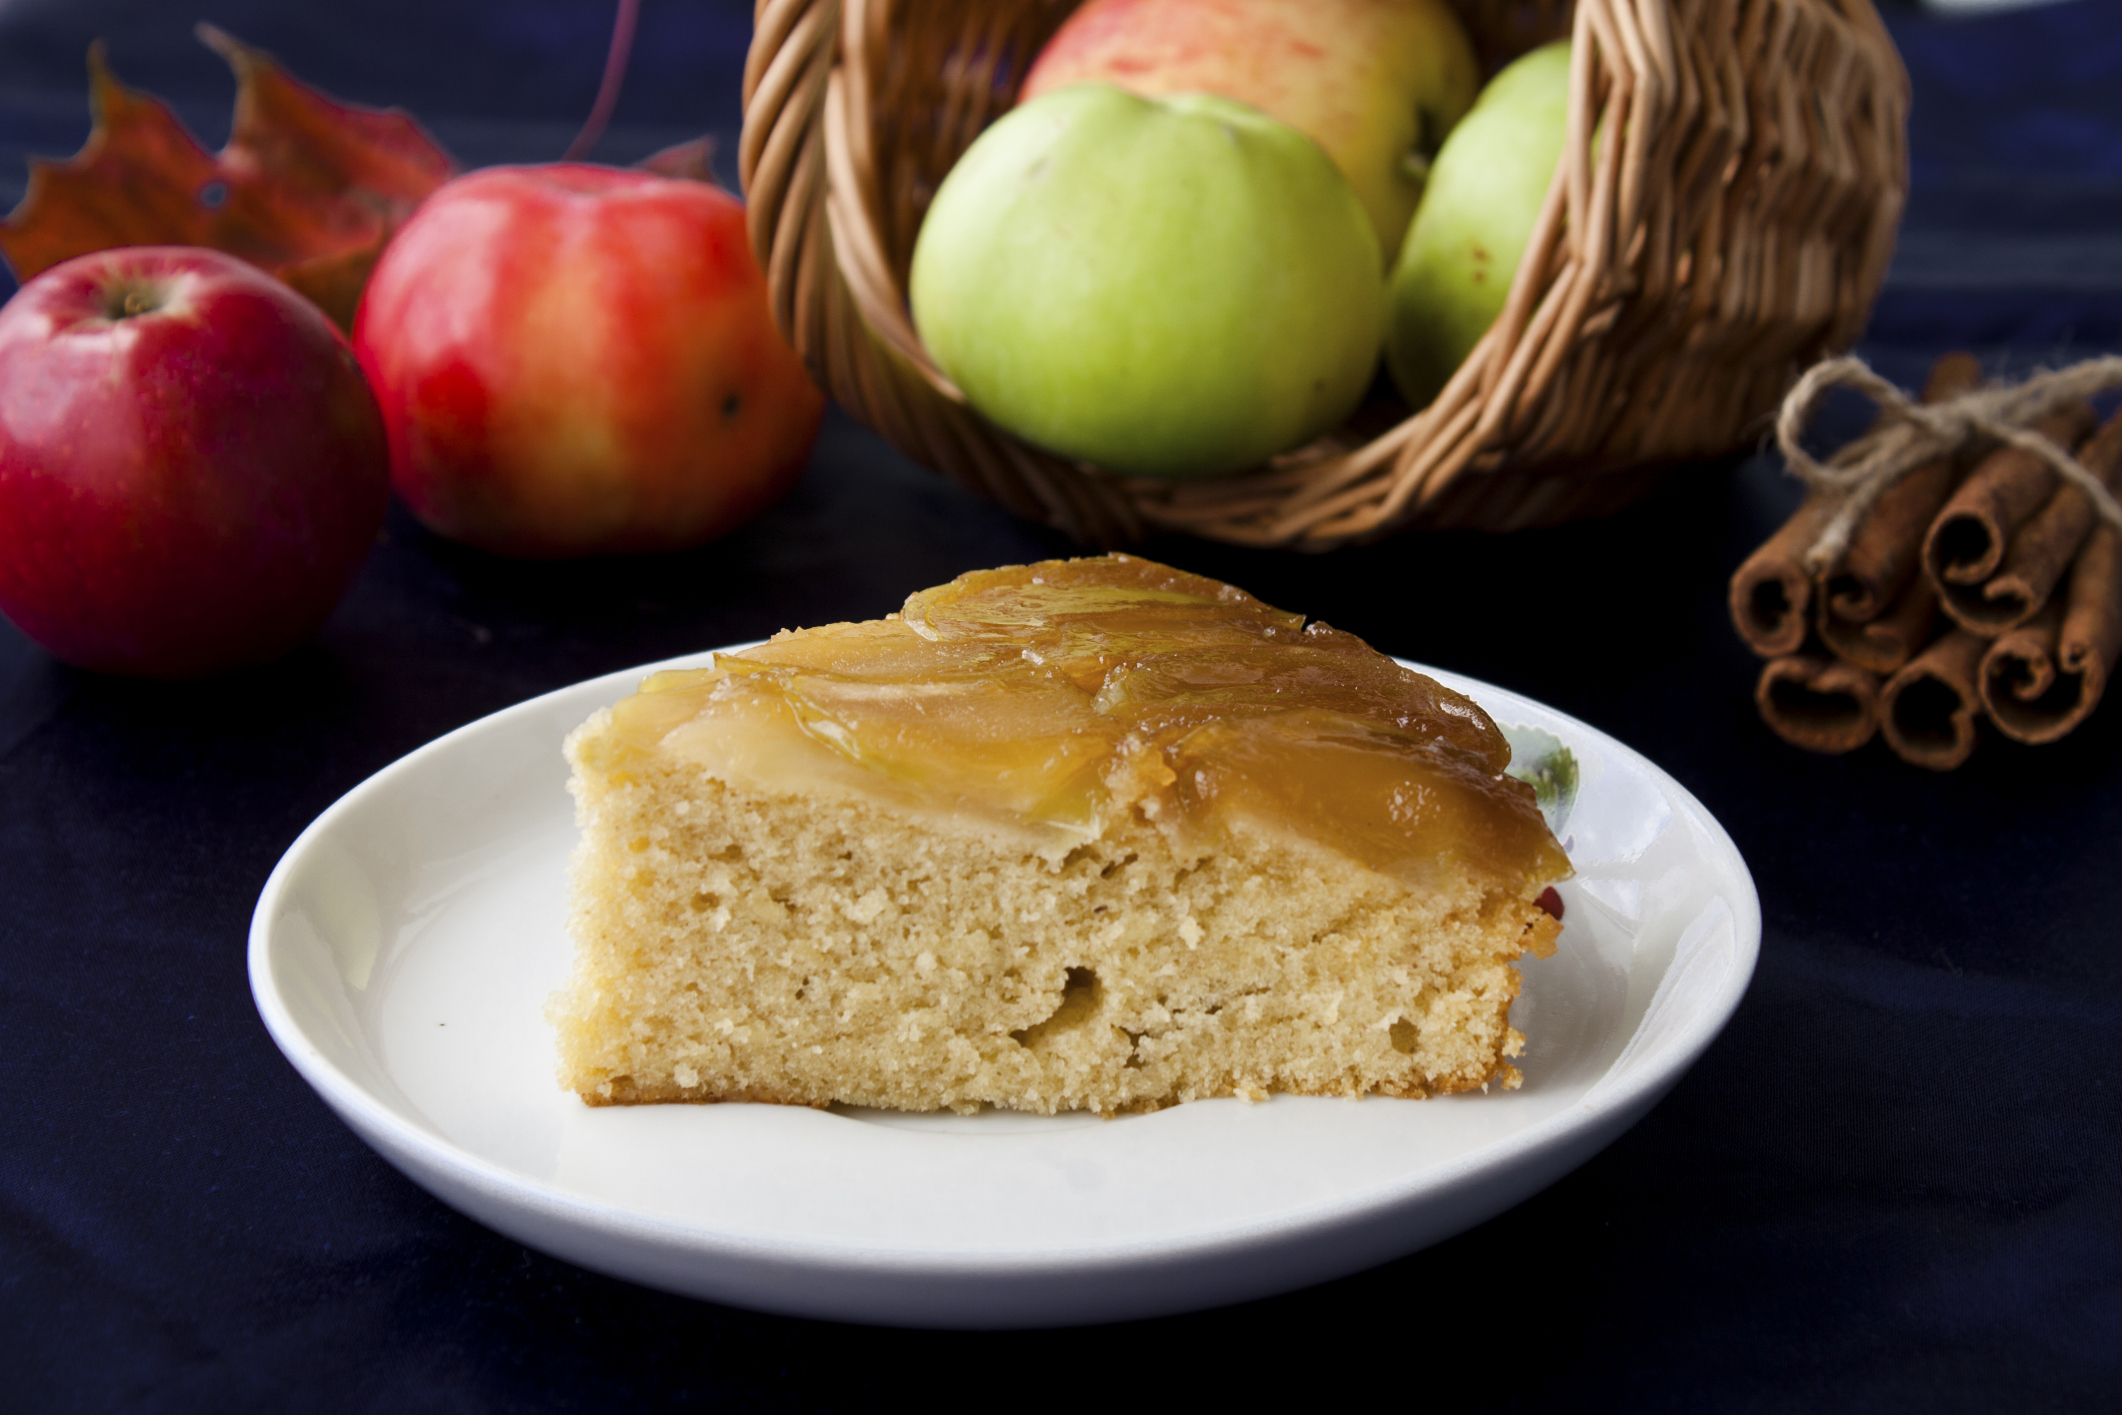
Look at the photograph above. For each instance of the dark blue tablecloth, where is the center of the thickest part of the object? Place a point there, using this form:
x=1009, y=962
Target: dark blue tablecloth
x=1894, y=1183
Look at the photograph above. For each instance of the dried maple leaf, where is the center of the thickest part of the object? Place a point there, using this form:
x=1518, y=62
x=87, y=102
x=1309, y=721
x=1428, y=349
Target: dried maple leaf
x=307, y=187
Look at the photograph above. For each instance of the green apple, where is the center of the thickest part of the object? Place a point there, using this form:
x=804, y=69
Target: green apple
x=1485, y=192
x=1174, y=287
x=1377, y=83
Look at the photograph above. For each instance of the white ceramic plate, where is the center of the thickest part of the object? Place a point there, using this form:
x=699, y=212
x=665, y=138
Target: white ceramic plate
x=402, y=952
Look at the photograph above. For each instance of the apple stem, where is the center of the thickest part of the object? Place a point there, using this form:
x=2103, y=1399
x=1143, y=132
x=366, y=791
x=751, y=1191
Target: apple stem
x=615, y=58
x=132, y=299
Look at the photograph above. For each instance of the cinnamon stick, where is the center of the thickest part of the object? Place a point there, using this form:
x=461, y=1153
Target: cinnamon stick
x=1883, y=555
x=1884, y=644
x=1820, y=704
x=2041, y=549
x=1967, y=542
x=1771, y=593
x=2043, y=678
x=1927, y=710
x=2019, y=684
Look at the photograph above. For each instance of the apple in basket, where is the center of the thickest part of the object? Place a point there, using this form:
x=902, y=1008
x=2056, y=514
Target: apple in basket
x=1485, y=192
x=191, y=465
x=1377, y=85
x=1173, y=287
x=576, y=360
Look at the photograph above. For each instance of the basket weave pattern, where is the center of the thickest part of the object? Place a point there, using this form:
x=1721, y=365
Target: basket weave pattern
x=1733, y=230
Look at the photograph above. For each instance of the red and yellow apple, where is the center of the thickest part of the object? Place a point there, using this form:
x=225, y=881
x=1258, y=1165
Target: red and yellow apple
x=577, y=360
x=191, y=466
x=1377, y=83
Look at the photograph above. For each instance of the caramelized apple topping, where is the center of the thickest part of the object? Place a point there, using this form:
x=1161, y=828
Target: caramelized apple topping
x=1068, y=692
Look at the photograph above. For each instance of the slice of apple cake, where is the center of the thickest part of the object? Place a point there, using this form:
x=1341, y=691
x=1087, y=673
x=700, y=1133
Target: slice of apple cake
x=1088, y=834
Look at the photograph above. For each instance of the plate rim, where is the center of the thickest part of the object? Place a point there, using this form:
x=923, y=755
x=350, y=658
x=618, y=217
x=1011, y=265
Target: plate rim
x=424, y=1153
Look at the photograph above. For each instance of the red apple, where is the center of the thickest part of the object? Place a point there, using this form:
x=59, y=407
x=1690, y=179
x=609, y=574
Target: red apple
x=1377, y=83
x=191, y=465
x=574, y=360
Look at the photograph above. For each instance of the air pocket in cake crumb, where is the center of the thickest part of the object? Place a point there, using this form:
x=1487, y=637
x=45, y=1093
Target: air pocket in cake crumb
x=1080, y=995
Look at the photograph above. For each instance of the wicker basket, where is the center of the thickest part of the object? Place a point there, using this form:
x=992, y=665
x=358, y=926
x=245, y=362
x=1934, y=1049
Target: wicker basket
x=1676, y=282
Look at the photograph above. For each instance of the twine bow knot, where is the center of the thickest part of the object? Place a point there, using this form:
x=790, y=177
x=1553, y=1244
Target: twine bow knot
x=1909, y=434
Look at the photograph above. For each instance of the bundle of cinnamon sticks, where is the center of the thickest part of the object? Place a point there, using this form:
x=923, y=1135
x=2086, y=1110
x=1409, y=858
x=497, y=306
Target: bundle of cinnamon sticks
x=1978, y=584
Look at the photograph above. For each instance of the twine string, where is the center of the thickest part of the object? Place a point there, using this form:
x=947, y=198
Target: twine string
x=1909, y=434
